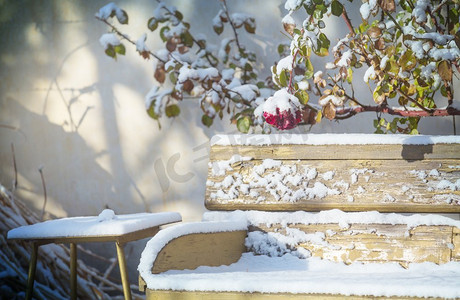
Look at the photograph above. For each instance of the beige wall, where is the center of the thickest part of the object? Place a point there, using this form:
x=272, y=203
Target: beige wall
x=79, y=115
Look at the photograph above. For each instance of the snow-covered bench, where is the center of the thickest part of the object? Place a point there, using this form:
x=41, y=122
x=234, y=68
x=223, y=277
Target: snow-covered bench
x=317, y=217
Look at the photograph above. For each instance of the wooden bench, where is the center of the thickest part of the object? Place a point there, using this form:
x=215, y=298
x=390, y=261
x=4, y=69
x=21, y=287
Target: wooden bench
x=317, y=217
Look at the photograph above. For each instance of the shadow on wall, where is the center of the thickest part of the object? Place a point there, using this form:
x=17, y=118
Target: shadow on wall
x=65, y=152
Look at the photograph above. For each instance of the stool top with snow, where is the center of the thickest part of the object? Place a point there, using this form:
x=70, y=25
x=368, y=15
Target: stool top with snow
x=317, y=216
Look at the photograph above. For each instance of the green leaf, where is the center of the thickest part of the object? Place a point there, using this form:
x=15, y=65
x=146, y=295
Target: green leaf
x=243, y=124
x=187, y=39
x=349, y=75
x=280, y=49
x=110, y=51
x=324, y=40
x=443, y=90
x=318, y=14
x=172, y=77
x=407, y=60
x=152, y=24
x=322, y=52
x=207, y=120
x=321, y=24
x=178, y=15
x=260, y=84
x=172, y=110
x=336, y=8
x=151, y=112
x=120, y=49
x=309, y=69
x=123, y=19
x=249, y=26
x=162, y=33
x=302, y=96
x=218, y=28
x=283, y=78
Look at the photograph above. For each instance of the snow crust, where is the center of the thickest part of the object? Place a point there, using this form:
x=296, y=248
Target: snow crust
x=331, y=139
x=108, y=39
x=106, y=224
x=330, y=217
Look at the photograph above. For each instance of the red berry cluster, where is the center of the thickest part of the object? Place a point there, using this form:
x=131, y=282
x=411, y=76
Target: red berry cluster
x=283, y=120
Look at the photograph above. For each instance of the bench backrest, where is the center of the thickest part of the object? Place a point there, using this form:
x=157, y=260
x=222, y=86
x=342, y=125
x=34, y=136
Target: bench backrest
x=351, y=172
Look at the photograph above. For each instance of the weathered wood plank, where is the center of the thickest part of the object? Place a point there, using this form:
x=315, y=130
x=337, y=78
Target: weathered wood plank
x=374, y=242
x=350, y=185
x=200, y=249
x=193, y=295
x=339, y=152
x=456, y=244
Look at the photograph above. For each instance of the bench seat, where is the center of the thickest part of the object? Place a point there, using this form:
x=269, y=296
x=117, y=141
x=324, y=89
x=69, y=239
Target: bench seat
x=271, y=270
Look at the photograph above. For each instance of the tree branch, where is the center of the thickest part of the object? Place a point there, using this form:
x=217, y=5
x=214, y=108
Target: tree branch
x=344, y=113
x=194, y=40
x=348, y=21
x=124, y=36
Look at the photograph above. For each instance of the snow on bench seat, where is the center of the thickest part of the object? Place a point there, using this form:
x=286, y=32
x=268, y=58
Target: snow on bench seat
x=290, y=274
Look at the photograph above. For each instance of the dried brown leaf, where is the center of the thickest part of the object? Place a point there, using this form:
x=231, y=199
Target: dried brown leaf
x=160, y=74
x=329, y=111
x=289, y=28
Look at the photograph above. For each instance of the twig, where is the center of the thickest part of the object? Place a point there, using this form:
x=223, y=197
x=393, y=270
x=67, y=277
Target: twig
x=44, y=191
x=235, y=33
x=193, y=38
x=15, y=181
x=224, y=6
x=126, y=37
x=348, y=21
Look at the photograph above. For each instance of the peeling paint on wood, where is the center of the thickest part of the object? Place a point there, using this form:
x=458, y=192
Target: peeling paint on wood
x=376, y=242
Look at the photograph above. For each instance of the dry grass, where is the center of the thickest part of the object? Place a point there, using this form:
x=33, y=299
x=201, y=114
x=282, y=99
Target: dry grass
x=52, y=276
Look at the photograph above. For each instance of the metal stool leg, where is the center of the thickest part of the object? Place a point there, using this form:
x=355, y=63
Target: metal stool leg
x=31, y=274
x=123, y=271
x=73, y=271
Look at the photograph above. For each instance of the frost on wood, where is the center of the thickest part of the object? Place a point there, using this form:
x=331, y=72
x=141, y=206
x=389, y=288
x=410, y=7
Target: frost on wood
x=272, y=181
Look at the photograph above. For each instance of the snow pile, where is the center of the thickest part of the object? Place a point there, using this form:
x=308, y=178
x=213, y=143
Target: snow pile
x=332, y=139
x=218, y=168
x=106, y=215
x=283, y=182
x=109, y=39
x=106, y=224
x=111, y=10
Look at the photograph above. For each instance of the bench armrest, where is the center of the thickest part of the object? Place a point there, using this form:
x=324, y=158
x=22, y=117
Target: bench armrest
x=190, y=245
